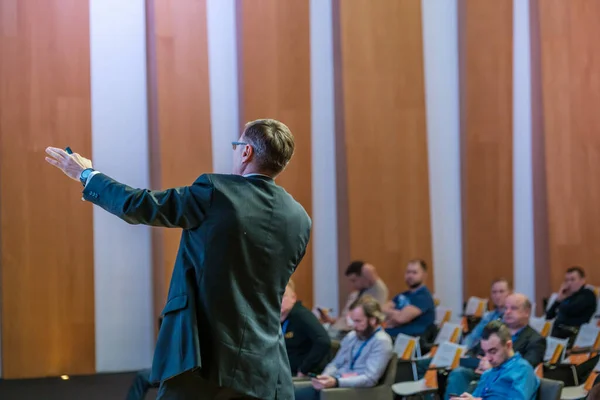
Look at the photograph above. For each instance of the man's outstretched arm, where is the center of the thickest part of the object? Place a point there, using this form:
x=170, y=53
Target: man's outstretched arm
x=183, y=207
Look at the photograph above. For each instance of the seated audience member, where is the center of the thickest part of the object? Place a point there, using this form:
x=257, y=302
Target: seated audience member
x=307, y=342
x=141, y=383
x=509, y=375
x=412, y=311
x=574, y=306
x=499, y=291
x=525, y=340
x=364, y=279
x=363, y=356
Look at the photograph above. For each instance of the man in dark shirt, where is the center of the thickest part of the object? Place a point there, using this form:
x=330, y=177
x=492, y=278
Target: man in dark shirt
x=307, y=342
x=412, y=311
x=574, y=306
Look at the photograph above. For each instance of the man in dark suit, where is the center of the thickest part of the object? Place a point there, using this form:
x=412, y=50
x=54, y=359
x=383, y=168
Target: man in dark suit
x=525, y=340
x=243, y=237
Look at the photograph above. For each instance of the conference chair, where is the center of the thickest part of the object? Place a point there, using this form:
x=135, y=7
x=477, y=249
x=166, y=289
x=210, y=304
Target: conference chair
x=549, y=389
x=382, y=391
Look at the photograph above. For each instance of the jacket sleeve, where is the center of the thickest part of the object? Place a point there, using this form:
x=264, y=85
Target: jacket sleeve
x=534, y=353
x=551, y=313
x=183, y=207
x=320, y=343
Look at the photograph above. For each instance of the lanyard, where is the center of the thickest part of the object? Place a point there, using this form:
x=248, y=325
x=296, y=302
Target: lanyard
x=284, y=326
x=360, y=349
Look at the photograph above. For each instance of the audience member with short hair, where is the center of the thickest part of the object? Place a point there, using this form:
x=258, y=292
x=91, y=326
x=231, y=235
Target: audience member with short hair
x=574, y=306
x=413, y=311
x=307, y=343
x=509, y=376
x=525, y=340
x=364, y=280
x=500, y=289
x=363, y=356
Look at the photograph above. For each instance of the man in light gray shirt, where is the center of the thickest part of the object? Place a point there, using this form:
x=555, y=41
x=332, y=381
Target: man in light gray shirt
x=363, y=356
x=364, y=280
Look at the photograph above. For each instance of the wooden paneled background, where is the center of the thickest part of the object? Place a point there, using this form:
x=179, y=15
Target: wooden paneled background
x=383, y=201
x=570, y=71
x=46, y=243
x=274, y=82
x=382, y=107
x=485, y=44
x=179, y=113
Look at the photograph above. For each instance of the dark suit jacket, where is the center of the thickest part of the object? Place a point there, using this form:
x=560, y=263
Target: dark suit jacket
x=242, y=239
x=530, y=344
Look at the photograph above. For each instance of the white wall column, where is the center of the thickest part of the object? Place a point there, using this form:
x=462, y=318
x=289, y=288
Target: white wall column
x=440, y=51
x=324, y=198
x=524, y=246
x=223, y=81
x=122, y=253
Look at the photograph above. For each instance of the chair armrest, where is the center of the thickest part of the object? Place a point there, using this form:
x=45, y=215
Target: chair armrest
x=381, y=392
x=300, y=379
x=301, y=384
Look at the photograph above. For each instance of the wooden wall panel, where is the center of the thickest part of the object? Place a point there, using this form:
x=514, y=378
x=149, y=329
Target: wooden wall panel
x=485, y=45
x=274, y=82
x=381, y=114
x=179, y=113
x=46, y=243
x=540, y=199
x=570, y=68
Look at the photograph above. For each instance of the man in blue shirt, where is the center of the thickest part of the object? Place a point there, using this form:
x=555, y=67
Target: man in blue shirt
x=413, y=311
x=499, y=291
x=510, y=376
x=526, y=341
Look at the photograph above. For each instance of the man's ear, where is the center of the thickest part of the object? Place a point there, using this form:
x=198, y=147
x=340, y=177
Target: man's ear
x=248, y=153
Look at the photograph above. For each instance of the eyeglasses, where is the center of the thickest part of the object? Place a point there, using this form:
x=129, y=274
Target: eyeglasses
x=235, y=144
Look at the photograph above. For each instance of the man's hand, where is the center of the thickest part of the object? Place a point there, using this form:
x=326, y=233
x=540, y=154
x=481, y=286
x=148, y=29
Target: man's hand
x=323, y=382
x=562, y=292
x=71, y=164
x=300, y=375
x=388, y=308
x=465, y=396
x=483, y=366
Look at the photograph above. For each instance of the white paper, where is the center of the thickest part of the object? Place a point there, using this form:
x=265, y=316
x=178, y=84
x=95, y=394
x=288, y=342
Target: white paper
x=445, y=334
x=440, y=313
x=402, y=342
x=539, y=323
x=587, y=336
x=473, y=305
x=445, y=354
x=551, y=343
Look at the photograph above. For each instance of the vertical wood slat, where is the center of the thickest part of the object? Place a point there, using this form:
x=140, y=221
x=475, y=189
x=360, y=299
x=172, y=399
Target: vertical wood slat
x=570, y=87
x=382, y=138
x=179, y=113
x=485, y=51
x=274, y=82
x=46, y=236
